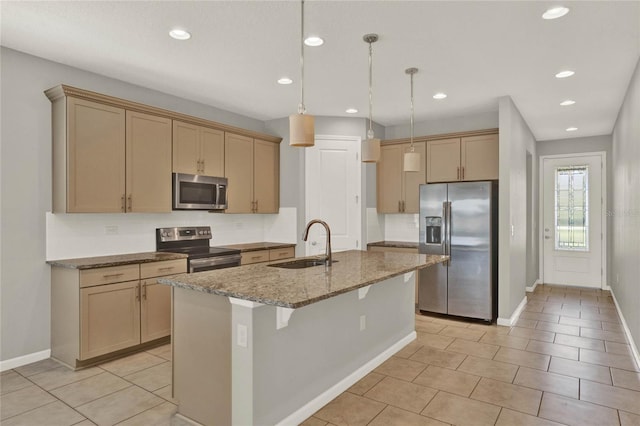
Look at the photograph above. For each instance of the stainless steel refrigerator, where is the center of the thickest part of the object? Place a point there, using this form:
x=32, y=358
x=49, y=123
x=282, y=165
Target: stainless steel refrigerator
x=460, y=220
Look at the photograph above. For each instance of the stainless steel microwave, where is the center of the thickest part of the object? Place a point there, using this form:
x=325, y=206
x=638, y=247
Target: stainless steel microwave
x=198, y=192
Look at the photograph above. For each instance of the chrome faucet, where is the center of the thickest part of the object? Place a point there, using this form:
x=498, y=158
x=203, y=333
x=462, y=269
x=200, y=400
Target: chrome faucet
x=327, y=260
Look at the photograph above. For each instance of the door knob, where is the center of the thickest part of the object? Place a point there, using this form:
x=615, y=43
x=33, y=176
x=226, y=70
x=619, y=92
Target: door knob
x=546, y=237
x=313, y=243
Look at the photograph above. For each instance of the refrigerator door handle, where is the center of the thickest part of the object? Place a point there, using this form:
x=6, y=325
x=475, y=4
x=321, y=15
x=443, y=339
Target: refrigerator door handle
x=448, y=230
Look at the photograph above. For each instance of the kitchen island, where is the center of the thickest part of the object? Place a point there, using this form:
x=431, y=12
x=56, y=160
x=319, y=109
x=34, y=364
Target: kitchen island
x=263, y=345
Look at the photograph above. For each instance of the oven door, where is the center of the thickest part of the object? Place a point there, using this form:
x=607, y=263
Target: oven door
x=211, y=263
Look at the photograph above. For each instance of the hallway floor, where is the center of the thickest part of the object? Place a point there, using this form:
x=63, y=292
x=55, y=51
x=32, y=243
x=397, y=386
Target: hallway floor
x=566, y=361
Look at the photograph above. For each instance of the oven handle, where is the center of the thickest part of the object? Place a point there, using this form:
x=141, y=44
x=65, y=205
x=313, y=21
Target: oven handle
x=232, y=260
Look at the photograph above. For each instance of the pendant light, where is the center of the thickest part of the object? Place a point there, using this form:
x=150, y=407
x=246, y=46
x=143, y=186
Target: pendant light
x=411, y=158
x=301, y=126
x=371, y=145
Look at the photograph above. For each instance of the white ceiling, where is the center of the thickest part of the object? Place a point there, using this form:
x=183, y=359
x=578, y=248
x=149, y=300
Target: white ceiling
x=474, y=51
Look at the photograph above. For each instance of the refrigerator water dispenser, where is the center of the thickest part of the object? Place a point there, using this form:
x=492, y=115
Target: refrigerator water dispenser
x=434, y=230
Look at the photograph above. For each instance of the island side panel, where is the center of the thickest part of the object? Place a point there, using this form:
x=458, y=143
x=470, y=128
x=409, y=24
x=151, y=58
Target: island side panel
x=322, y=347
x=201, y=338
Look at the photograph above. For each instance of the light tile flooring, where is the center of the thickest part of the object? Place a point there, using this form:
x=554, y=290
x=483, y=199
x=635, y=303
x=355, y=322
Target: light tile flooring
x=566, y=361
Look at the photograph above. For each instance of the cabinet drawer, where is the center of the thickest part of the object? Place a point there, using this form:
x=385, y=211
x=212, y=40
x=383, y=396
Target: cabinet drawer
x=282, y=253
x=255, y=257
x=108, y=275
x=166, y=267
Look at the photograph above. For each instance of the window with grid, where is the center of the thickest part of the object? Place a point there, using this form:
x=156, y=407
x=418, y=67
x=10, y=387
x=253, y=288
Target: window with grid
x=572, y=208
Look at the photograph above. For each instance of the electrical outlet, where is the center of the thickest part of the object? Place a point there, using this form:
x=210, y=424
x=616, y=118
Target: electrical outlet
x=242, y=335
x=363, y=322
x=111, y=230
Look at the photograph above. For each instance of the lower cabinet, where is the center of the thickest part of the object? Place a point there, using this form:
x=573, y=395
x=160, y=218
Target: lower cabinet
x=269, y=255
x=93, y=314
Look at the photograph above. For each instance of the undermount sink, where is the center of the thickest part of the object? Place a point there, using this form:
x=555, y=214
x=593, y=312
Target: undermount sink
x=300, y=263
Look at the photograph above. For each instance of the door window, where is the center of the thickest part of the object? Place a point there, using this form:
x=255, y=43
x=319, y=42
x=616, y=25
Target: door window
x=572, y=208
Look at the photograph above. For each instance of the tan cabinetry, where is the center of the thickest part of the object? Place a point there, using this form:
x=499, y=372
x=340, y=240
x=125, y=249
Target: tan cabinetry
x=398, y=191
x=197, y=150
x=258, y=256
x=253, y=169
x=108, y=160
x=467, y=158
x=96, y=312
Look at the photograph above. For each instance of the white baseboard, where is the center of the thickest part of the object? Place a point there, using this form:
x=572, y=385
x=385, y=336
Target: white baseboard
x=324, y=398
x=533, y=287
x=24, y=360
x=632, y=344
x=509, y=322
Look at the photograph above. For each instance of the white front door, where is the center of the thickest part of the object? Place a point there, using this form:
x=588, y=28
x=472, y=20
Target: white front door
x=332, y=176
x=572, y=226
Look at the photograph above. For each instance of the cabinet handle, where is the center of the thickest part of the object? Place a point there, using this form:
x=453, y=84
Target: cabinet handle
x=283, y=254
x=168, y=268
x=256, y=257
x=399, y=206
x=462, y=172
x=256, y=211
x=122, y=203
x=144, y=291
x=138, y=293
x=458, y=174
x=130, y=202
x=112, y=275
x=404, y=206
x=202, y=166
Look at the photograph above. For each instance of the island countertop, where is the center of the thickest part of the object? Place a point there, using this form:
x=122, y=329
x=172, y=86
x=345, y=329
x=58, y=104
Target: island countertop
x=294, y=288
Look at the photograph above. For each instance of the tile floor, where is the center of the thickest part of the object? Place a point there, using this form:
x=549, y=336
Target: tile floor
x=565, y=362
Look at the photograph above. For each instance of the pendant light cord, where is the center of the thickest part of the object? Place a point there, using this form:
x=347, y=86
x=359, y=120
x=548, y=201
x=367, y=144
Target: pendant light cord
x=301, y=107
x=370, y=134
x=412, y=148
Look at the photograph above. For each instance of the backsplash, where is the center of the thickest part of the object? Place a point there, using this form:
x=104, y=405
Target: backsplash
x=85, y=235
x=401, y=227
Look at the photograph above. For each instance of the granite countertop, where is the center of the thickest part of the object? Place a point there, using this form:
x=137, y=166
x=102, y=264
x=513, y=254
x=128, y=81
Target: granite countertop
x=115, y=260
x=399, y=244
x=258, y=246
x=294, y=288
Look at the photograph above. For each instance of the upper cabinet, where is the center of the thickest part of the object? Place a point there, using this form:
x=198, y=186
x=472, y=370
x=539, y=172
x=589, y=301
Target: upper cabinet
x=109, y=160
x=197, y=150
x=253, y=169
x=111, y=155
x=466, y=158
x=398, y=191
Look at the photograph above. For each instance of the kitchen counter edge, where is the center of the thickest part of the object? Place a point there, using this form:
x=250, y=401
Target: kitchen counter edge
x=115, y=260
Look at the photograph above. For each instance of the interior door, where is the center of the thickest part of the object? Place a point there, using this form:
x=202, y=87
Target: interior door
x=572, y=220
x=333, y=192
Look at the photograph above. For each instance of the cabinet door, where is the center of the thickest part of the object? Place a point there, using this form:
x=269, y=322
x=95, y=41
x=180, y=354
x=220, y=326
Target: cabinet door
x=479, y=157
x=238, y=161
x=211, y=152
x=443, y=160
x=186, y=148
x=109, y=318
x=155, y=313
x=413, y=180
x=148, y=159
x=96, y=157
x=266, y=179
x=254, y=257
x=389, y=179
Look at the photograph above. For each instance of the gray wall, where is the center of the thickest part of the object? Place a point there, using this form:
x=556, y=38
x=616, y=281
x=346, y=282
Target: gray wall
x=625, y=211
x=588, y=144
x=516, y=140
x=26, y=184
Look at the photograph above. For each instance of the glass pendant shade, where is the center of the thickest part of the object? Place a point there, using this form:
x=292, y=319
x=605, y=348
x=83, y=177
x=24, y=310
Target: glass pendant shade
x=371, y=150
x=301, y=130
x=411, y=161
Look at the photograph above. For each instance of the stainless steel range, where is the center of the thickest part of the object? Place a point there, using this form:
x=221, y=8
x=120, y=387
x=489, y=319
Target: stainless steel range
x=194, y=241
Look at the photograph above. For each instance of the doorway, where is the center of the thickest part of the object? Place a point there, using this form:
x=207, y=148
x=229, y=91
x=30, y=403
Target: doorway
x=332, y=192
x=573, y=219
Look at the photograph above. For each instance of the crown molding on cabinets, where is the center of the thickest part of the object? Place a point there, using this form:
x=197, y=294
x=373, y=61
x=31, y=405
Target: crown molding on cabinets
x=440, y=136
x=65, y=90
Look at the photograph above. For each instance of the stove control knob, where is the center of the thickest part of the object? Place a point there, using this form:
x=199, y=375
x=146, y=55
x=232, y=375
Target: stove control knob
x=200, y=232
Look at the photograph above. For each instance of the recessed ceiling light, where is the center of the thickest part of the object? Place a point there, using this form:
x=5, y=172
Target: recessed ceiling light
x=351, y=111
x=440, y=95
x=555, y=12
x=285, y=80
x=313, y=41
x=571, y=129
x=565, y=74
x=567, y=102
x=179, y=34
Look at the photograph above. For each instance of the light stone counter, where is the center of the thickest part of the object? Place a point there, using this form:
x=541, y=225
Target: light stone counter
x=294, y=288
x=115, y=260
